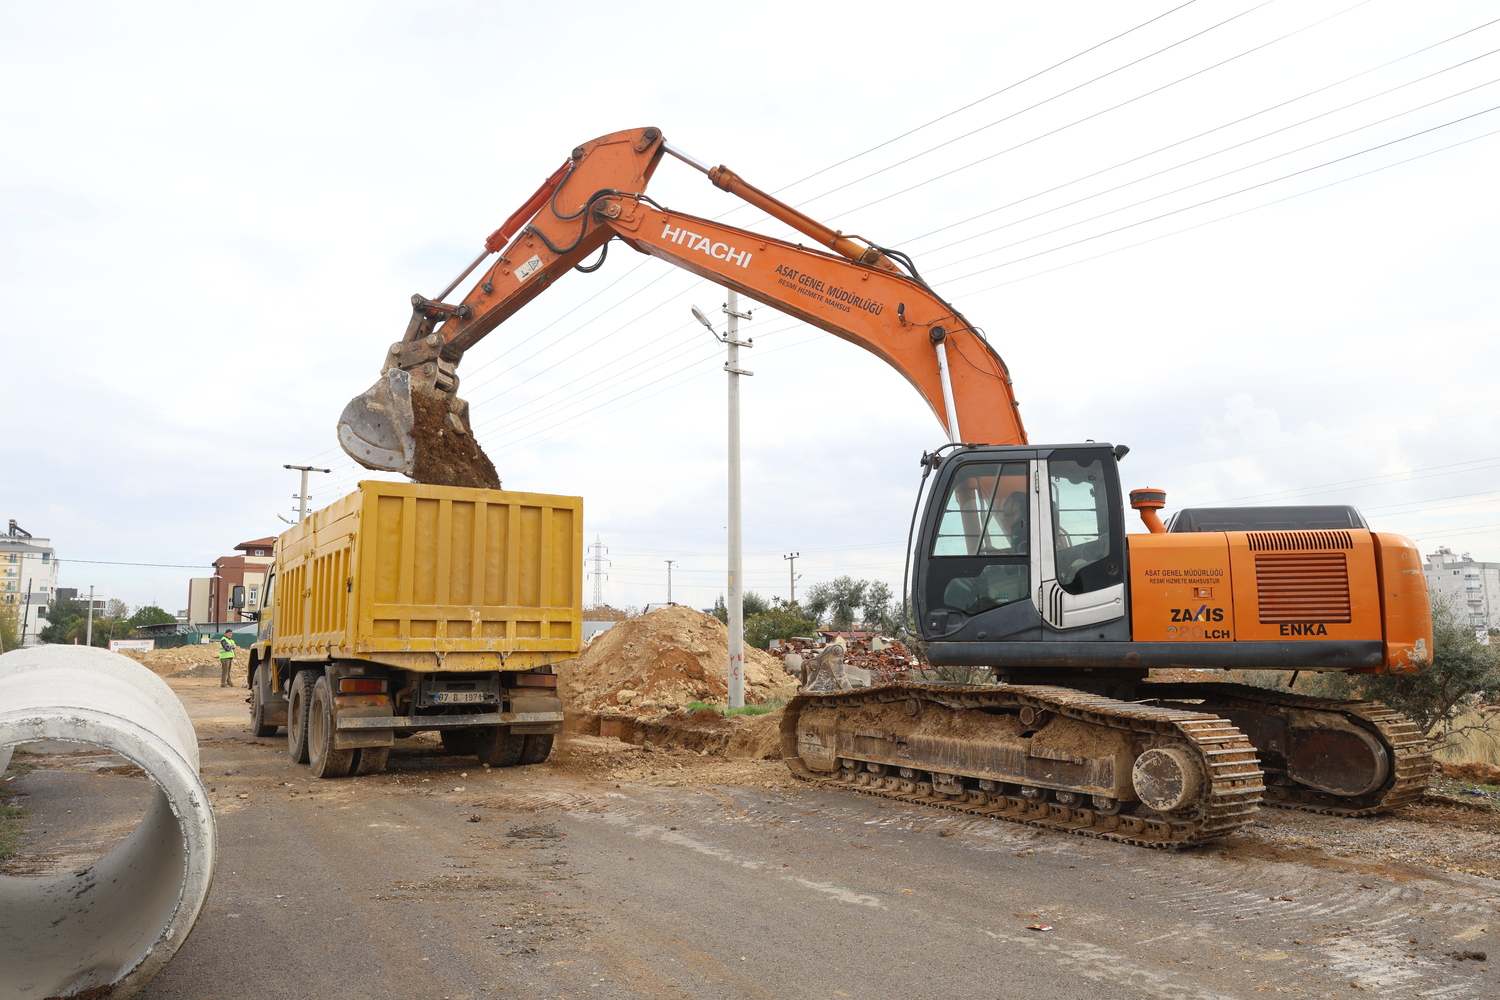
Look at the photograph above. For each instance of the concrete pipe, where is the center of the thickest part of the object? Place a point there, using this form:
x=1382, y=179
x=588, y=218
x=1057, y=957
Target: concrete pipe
x=118, y=921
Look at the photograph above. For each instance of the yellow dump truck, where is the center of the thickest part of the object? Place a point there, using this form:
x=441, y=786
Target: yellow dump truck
x=402, y=608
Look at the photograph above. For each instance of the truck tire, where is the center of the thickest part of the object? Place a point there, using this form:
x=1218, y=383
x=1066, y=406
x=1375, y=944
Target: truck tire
x=326, y=761
x=538, y=746
x=458, y=742
x=260, y=687
x=498, y=748
x=297, y=698
x=370, y=760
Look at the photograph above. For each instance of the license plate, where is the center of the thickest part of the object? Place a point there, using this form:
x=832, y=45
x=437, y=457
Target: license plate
x=457, y=697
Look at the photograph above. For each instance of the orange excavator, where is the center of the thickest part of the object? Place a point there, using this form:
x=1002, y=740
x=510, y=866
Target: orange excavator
x=1020, y=561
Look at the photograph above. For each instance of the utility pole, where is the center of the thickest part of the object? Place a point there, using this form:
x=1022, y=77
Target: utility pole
x=88, y=639
x=302, y=495
x=669, y=563
x=598, y=549
x=736, y=590
x=792, y=572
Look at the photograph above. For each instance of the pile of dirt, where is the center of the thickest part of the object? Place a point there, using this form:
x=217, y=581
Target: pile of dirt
x=1484, y=774
x=663, y=661
x=758, y=737
x=166, y=662
x=444, y=457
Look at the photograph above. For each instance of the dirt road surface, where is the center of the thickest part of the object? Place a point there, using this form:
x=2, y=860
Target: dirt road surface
x=616, y=872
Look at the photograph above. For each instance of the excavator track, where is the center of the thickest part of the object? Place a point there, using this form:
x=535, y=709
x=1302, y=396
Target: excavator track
x=907, y=742
x=1407, y=757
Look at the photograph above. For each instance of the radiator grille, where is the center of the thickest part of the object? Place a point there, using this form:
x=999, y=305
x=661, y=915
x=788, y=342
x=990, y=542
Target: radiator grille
x=1302, y=586
x=1285, y=541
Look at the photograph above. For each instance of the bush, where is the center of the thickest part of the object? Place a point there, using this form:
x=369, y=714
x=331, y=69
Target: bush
x=1463, y=673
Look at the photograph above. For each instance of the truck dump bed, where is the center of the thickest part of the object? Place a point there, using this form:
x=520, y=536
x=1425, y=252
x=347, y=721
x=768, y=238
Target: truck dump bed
x=433, y=578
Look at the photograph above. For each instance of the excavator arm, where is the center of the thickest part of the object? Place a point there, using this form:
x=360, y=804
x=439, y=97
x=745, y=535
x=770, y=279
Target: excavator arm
x=413, y=421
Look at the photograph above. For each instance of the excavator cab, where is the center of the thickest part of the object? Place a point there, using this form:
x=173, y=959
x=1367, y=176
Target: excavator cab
x=1021, y=544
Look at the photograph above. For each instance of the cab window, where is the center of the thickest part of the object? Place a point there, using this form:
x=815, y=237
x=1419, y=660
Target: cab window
x=982, y=540
x=985, y=513
x=1080, y=516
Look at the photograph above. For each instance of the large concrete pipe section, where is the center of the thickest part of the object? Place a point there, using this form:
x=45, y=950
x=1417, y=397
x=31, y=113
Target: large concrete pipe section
x=117, y=921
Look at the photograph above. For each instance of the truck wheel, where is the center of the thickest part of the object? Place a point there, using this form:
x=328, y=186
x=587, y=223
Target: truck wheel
x=259, y=688
x=459, y=742
x=538, y=746
x=498, y=748
x=370, y=760
x=325, y=760
x=296, y=714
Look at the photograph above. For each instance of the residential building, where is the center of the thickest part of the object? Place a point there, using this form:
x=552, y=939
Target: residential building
x=1471, y=586
x=209, y=598
x=28, y=578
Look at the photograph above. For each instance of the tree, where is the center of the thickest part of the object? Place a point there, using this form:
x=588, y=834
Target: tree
x=115, y=608
x=782, y=620
x=150, y=614
x=1462, y=671
x=751, y=603
x=881, y=610
x=62, y=614
x=10, y=627
x=836, y=601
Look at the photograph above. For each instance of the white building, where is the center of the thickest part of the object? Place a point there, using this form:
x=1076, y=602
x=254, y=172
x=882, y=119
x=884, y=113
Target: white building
x=1472, y=587
x=28, y=578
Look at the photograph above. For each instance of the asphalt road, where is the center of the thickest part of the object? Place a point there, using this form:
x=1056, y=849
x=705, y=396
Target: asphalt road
x=438, y=880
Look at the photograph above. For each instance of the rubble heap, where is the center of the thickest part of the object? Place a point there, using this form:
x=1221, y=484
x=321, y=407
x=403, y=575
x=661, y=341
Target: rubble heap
x=891, y=661
x=664, y=661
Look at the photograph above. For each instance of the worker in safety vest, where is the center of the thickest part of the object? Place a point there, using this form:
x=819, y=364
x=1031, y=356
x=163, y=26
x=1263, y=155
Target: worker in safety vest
x=226, y=658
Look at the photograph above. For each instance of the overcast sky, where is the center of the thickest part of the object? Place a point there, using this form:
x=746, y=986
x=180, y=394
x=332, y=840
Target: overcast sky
x=1254, y=241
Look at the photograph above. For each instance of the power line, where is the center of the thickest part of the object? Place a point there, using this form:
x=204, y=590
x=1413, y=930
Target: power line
x=1007, y=87
x=1206, y=156
x=1207, y=222
x=1227, y=173
x=1115, y=107
x=1220, y=128
x=1080, y=86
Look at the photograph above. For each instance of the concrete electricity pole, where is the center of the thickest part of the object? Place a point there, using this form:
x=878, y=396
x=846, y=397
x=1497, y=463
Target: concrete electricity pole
x=669, y=563
x=88, y=638
x=302, y=496
x=736, y=595
x=792, y=572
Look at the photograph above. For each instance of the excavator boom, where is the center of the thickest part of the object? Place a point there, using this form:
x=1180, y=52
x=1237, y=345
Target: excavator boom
x=412, y=421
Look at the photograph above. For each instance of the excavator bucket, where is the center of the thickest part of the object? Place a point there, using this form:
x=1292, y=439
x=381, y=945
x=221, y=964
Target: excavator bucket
x=410, y=428
x=375, y=429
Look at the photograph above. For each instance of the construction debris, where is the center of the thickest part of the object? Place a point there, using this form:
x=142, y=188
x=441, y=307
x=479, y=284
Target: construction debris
x=874, y=659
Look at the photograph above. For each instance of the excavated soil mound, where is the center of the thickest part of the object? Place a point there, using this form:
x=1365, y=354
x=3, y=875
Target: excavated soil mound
x=166, y=662
x=1484, y=774
x=758, y=736
x=663, y=661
